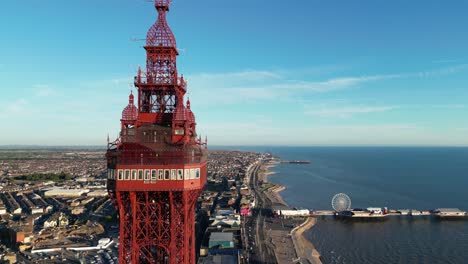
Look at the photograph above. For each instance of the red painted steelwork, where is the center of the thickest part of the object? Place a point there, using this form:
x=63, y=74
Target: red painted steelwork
x=157, y=167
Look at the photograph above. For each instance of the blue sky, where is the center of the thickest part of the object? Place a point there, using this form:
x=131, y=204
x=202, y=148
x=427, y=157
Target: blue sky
x=312, y=72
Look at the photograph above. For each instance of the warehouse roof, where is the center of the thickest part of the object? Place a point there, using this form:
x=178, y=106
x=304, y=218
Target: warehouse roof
x=66, y=192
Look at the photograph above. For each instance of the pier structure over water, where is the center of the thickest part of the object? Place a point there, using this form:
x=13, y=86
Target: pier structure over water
x=442, y=213
x=341, y=204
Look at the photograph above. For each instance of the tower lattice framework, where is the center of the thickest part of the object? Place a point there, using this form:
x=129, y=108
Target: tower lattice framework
x=157, y=166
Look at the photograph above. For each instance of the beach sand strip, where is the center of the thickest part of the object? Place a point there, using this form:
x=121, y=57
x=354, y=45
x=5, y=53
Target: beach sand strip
x=281, y=241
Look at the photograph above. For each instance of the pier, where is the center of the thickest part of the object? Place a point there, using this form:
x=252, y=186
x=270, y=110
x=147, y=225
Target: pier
x=295, y=161
x=372, y=212
x=341, y=204
x=442, y=213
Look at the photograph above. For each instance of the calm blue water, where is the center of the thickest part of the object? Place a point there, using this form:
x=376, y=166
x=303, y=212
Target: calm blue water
x=420, y=178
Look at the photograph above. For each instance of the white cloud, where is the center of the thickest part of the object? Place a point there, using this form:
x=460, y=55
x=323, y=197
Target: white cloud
x=389, y=134
x=109, y=84
x=444, y=61
x=12, y=109
x=250, y=75
x=237, y=87
x=274, y=80
x=348, y=111
x=438, y=72
x=330, y=84
x=43, y=90
x=265, y=133
x=451, y=106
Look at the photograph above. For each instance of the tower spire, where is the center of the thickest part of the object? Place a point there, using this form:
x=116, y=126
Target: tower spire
x=160, y=34
x=163, y=4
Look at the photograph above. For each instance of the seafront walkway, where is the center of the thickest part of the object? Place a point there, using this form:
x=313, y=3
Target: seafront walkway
x=262, y=250
x=277, y=240
x=304, y=248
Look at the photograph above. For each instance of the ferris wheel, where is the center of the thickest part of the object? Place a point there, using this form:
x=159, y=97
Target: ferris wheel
x=341, y=202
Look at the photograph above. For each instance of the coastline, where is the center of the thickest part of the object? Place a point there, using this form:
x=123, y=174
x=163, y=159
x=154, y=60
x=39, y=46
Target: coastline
x=303, y=247
x=273, y=190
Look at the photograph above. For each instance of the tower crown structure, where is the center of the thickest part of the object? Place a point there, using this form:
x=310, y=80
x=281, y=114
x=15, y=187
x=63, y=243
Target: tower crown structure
x=160, y=34
x=157, y=166
x=130, y=112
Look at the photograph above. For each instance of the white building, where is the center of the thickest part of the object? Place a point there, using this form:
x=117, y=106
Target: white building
x=98, y=193
x=62, y=192
x=449, y=212
x=229, y=220
x=303, y=212
x=37, y=210
x=56, y=220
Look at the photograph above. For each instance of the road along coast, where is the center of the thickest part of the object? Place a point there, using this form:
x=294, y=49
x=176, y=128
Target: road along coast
x=288, y=245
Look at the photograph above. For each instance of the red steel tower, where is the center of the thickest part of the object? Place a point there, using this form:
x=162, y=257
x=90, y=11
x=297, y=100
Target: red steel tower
x=157, y=167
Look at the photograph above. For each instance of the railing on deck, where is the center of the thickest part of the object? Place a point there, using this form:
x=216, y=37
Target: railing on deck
x=143, y=157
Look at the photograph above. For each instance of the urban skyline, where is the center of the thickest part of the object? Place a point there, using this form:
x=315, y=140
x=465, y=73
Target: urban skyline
x=326, y=73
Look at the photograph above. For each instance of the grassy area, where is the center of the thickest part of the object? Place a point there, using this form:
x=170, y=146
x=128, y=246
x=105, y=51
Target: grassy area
x=45, y=177
x=265, y=186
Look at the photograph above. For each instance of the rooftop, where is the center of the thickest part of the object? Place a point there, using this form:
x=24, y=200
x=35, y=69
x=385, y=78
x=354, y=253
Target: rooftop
x=224, y=259
x=448, y=210
x=221, y=236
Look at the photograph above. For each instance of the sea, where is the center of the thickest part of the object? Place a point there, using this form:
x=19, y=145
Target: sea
x=422, y=178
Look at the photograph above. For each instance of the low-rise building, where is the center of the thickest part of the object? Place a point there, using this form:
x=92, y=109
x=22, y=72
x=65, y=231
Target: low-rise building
x=37, y=210
x=62, y=192
x=220, y=259
x=10, y=258
x=98, y=193
x=56, y=220
x=221, y=240
x=78, y=210
x=227, y=220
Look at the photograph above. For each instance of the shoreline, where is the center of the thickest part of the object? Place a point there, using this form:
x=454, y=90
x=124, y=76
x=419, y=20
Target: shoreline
x=302, y=246
x=272, y=192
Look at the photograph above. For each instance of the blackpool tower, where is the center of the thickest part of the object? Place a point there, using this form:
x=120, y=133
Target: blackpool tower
x=157, y=166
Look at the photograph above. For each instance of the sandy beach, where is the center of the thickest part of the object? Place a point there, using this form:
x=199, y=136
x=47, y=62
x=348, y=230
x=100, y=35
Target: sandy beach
x=304, y=249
